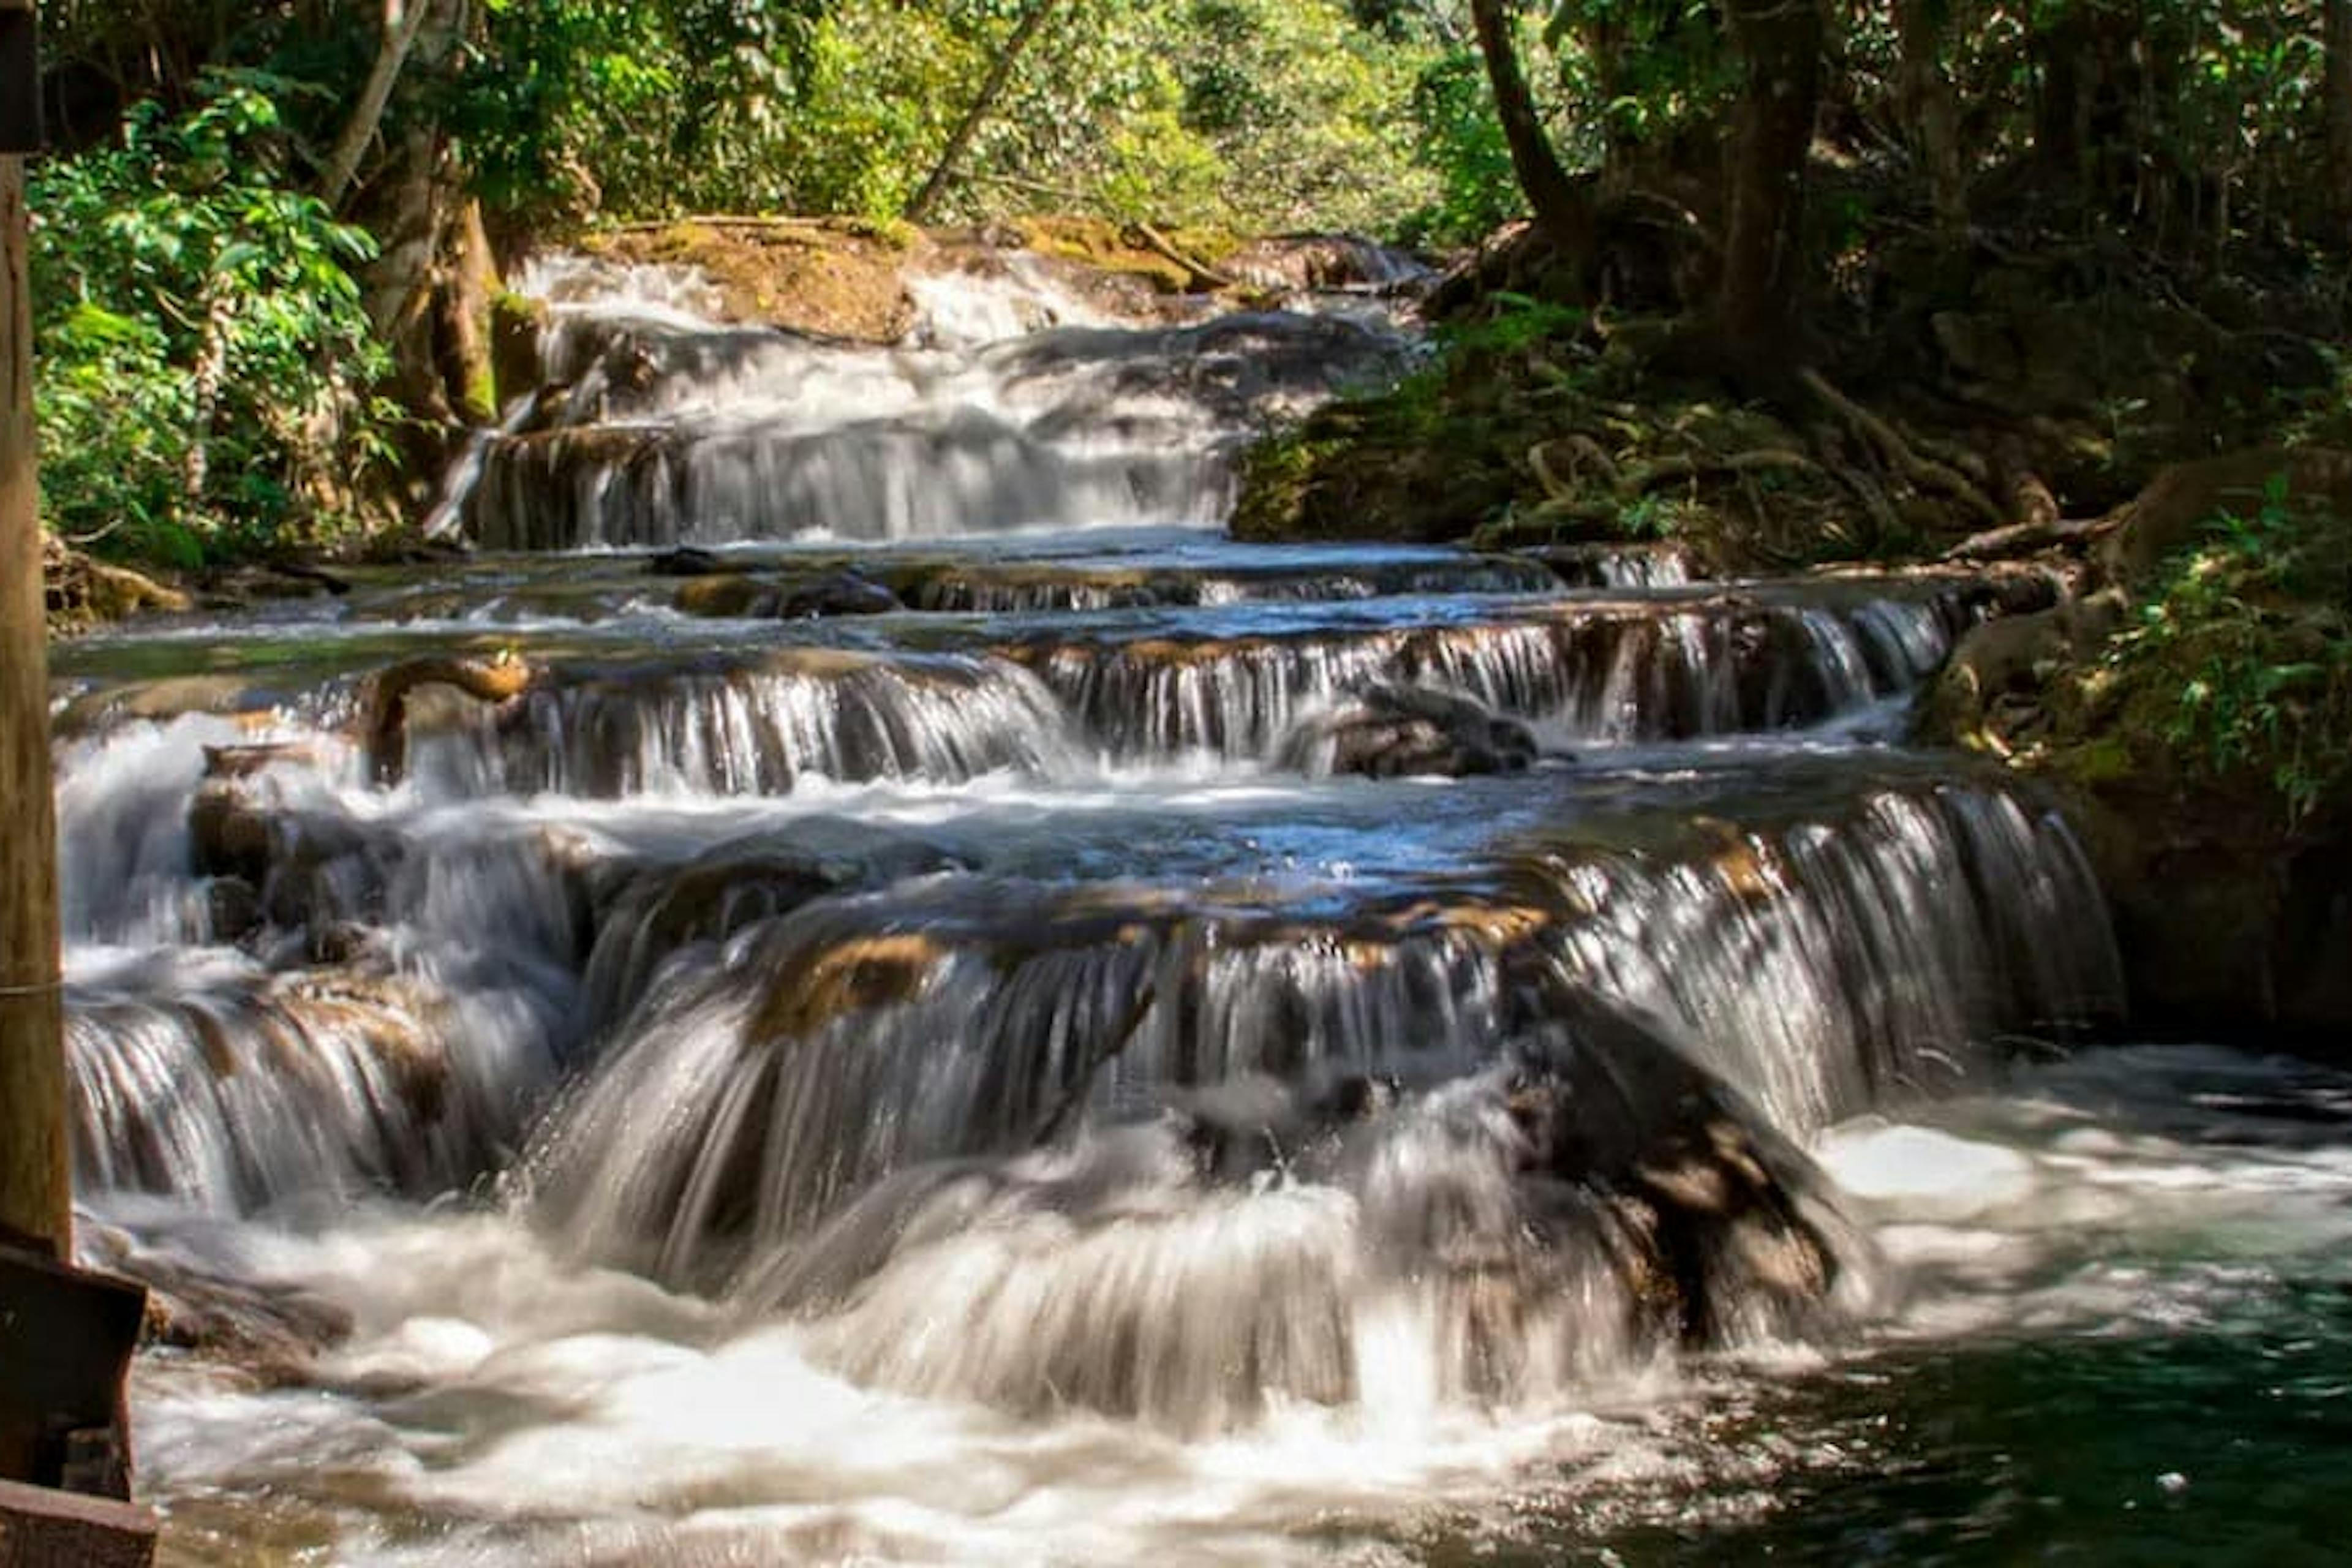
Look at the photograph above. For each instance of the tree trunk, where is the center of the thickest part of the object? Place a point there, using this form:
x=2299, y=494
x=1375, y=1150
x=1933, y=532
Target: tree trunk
x=400, y=281
x=470, y=276
x=1560, y=210
x=36, y=1186
x=1780, y=45
x=2336, y=28
x=1925, y=90
x=2091, y=127
x=403, y=20
x=427, y=291
x=205, y=381
x=984, y=102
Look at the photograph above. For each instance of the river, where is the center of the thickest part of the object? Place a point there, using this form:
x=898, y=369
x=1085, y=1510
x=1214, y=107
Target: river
x=963, y=1017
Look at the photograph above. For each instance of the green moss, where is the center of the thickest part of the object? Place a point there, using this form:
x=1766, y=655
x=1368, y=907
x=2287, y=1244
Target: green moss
x=1276, y=476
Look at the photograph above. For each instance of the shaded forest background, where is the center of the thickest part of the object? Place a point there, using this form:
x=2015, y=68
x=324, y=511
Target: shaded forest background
x=268, y=234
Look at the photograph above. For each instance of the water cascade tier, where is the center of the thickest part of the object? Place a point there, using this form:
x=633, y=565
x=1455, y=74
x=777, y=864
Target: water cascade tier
x=855, y=877
x=650, y=427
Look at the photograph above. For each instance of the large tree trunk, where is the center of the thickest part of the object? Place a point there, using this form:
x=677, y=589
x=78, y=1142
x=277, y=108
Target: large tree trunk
x=35, y=1194
x=1928, y=106
x=428, y=290
x=983, y=103
x=1780, y=45
x=419, y=196
x=2087, y=116
x=1560, y=210
x=2337, y=25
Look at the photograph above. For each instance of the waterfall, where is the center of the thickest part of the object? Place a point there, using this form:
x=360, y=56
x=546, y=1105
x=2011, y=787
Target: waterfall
x=1590, y=673
x=752, y=728
x=234, y=1091
x=1820, y=967
x=654, y=426
x=974, y=937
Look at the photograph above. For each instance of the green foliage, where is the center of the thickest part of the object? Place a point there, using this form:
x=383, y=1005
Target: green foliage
x=1640, y=71
x=1251, y=115
x=1254, y=114
x=1509, y=323
x=576, y=105
x=2244, y=653
x=1458, y=136
x=200, y=346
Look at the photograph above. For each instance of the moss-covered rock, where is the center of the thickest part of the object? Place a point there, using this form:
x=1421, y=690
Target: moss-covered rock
x=2198, y=716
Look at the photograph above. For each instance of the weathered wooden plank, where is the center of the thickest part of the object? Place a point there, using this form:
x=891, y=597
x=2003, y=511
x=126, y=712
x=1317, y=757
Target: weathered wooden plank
x=66, y=1341
x=44, y=1528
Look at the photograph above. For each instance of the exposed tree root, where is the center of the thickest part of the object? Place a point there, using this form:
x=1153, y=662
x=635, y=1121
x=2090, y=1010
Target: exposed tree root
x=1202, y=275
x=83, y=591
x=1583, y=451
x=1668, y=470
x=1627, y=483
x=2023, y=539
x=1900, y=455
x=384, y=707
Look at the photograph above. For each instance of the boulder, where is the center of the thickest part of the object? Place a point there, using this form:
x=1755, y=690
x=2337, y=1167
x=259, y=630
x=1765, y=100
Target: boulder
x=2181, y=502
x=790, y=598
x=684, y=561
x=1390, y=731
x=1993, y=691
x=1722, y=1229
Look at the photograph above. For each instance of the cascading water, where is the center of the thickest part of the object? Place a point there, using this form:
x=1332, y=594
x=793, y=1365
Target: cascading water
x=913, y=1038
x=654, y=427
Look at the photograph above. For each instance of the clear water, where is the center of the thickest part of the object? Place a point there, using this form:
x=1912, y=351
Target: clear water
x=857, y=1089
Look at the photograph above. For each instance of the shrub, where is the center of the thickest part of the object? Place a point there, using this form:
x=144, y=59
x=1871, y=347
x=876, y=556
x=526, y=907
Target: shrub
x=202, y=355
x=2240, y=659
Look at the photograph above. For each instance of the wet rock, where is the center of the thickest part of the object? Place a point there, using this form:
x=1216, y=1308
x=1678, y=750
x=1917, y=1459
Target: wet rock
x=342, y=943
x=385, y=700
x=1610, y=565
x=1241, y=1130
x=232, y=909
x=559, y=489
x=236, y=586
x=843, y=593
x=723, y=597
x=1308, y=261
x=283, y=860
x=272, y=1333
x=644, y=914
x=1390, y=731
x=1992, y=692
x=1717, y=1228
x=2227, y=926
x=1722, y=1227
x=836, y=593
x=684, y=561
x=229, y=834
x=1578, y=1205
x=517, y=324
x=995, y=588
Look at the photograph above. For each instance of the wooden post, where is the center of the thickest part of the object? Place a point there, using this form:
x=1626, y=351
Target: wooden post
x=36, y=1192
